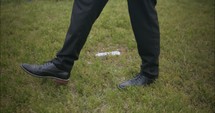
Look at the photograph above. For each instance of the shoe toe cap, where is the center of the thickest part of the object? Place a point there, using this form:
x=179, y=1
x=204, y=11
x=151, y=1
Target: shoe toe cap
x=123, y=85
x=27, y=67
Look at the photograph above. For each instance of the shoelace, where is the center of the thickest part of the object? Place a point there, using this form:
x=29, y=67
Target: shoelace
x=137, y=77
x=46, y=63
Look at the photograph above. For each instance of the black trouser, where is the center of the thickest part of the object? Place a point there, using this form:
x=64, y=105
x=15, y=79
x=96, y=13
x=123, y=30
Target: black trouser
x=145, y=26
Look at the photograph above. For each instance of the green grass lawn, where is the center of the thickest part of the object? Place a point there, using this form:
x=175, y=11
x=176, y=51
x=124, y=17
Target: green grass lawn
x=32, y=32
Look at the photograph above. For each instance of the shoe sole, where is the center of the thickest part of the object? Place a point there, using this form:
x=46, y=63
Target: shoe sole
x=57, y=80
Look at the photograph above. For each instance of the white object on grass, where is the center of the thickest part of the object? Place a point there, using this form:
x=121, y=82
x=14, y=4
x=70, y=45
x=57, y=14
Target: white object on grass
x=113, y=53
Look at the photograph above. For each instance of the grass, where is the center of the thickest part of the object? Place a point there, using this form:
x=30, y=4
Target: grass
x=33, y=32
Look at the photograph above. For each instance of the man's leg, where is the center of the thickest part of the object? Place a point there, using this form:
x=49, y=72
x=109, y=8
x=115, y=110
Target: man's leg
x=84, y=14
x=145, y=26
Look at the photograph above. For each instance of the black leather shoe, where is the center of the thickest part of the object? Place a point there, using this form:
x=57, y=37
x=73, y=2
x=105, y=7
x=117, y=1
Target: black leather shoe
x=47, y=70
x=139, y=80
